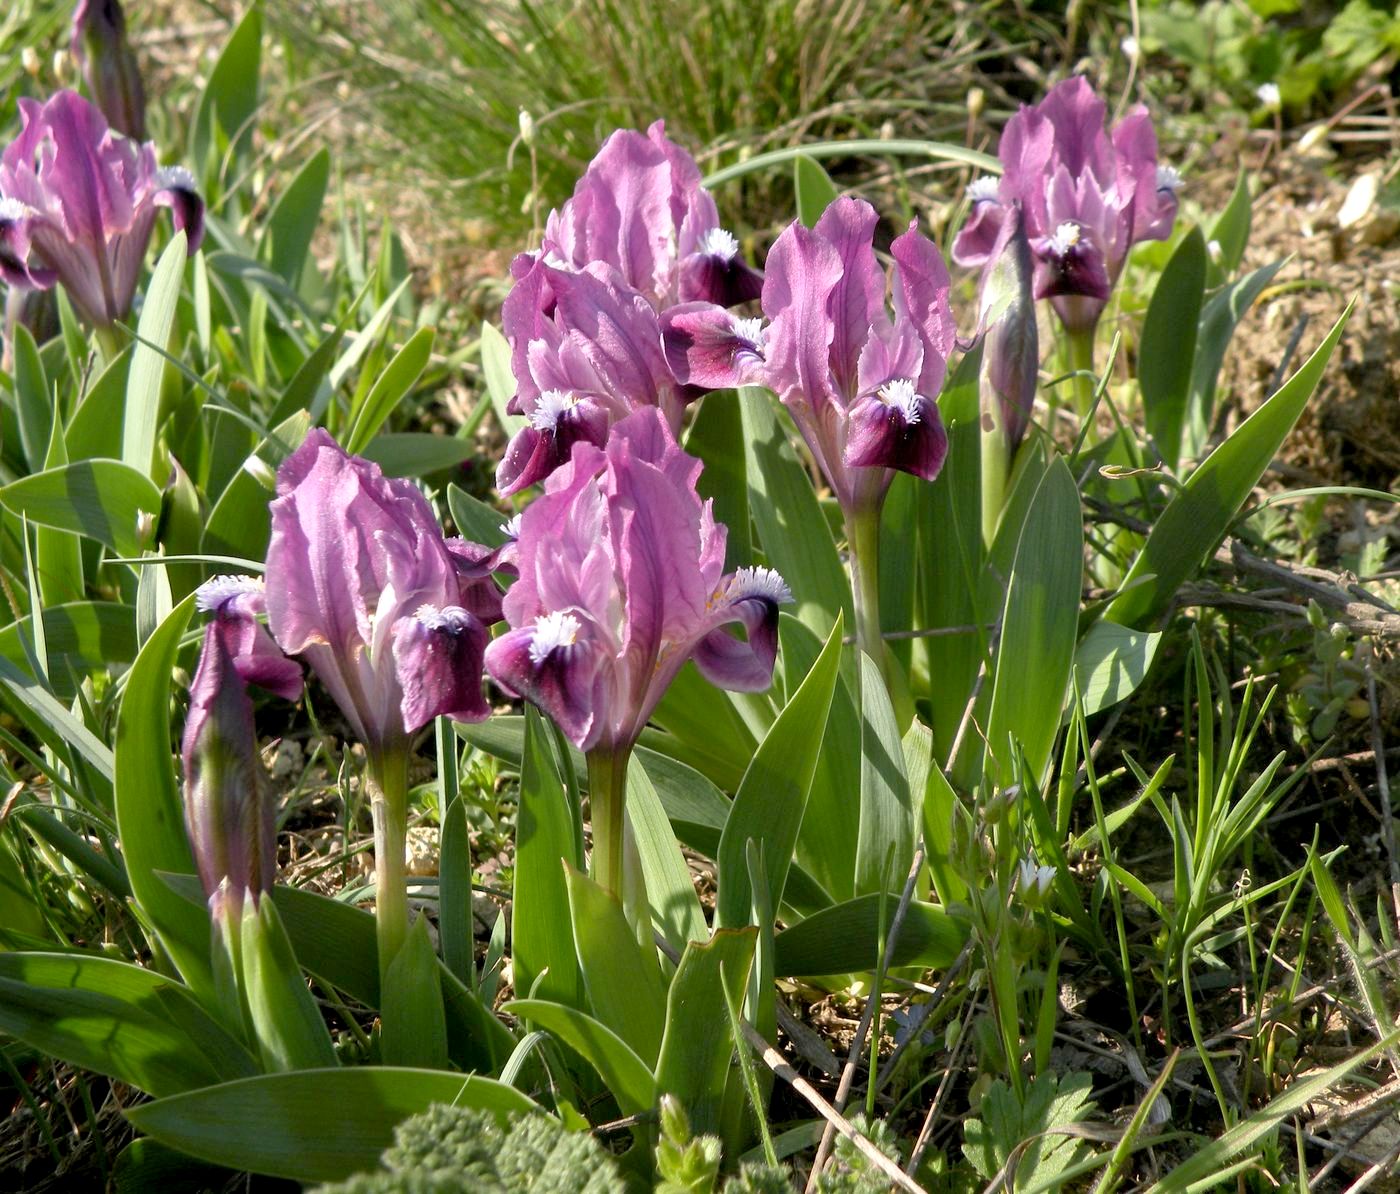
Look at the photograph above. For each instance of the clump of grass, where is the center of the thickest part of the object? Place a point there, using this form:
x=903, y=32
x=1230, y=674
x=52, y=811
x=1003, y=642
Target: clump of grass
x=447, y=80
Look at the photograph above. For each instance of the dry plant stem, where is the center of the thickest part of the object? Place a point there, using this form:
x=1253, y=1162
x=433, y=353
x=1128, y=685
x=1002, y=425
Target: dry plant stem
x=924, y=1010
x=776, y=1062
x=387, y=777
x=944, y=1085
x=848, y=1072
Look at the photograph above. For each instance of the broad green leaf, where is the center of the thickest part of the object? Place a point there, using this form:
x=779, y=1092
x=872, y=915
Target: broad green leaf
x=702, y=728
x=686, y=794
x=59, y=553
x=845, y=938
x=150, y=813
x=717, y=438
x=545, y=837
x=940, y=818
x=230, y=98
x=145, y=1165
x=1168, y=346
x=101, y=499
x=1230, y=231
x=675, y=907
x=53, y=723
x=456, y=926
x=773, y=796
x=389, y=390
x=475, y=519
x=622, y=978
x=141, y=418
x=239, y=524
x=815, y=190
x=80, y=636
x=886, y=816
x=414, y=1023
x=290, y=1031
x=89, y=433
x=899, y=565
x=292, y=222
x=116, y=1019
x=1110, y=663
x=826, y=847
x=952, y=560
x=417, y=453
x=500, y=381
x=1039, y=627
x=313, y=1125
x=33, y=399
x=623, y=1072
x=695, y=1053
x=791, y=527
x=1221, y=316
x=336, y=942
x=1202, y=510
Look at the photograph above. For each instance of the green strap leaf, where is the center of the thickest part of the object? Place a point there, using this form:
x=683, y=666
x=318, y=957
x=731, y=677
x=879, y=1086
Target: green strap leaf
x=694, y=1061
x=1168, y=346
x=814, y=188
x=150, y=812
x=141, y=418
x=313, y=1125
x=773, y=796
x=102, y=499
x=389, y=390
x=846, y=938
x=1201, y=512
x=116, y=1019
x=625, y=1074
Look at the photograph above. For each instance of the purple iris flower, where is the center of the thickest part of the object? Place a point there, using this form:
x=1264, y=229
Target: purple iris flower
x=228, y=813
x=640, y=208
x=861, y=382
x=1087, y=196
x=99, y=46
x=621, y=581
x=362, y=585
x=586, y=352
x=78, y=203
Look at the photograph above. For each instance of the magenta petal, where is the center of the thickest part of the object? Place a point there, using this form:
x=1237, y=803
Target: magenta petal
x=973, y=244
x=858, y=299
x=921, y=285
x=16, y=267
x=1077, y=115
x=438, y=658
x=708, y=347
x=553, y=664
x=751, y=598
x=177, y=192
x=897, y=428
x=722, y=278
x=1070, y=263
x=801, y=274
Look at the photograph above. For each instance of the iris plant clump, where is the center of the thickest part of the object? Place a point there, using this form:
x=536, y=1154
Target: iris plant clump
x=636, y=303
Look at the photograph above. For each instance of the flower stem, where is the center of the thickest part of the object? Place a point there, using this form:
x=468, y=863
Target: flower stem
x=1080, y=350
x=388, y=789
x=617, y=865
x=863, y=536
x=607, y=795
x=111, y=343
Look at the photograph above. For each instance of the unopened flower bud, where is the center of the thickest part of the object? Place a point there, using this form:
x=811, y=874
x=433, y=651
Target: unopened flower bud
x=1011, y=349
x=976, y=101
x=100, y=47
x=29, y=59
x=527, y=127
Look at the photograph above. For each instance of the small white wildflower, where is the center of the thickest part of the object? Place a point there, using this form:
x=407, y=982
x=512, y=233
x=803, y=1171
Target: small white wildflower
x=1130, y=47
x=1269, y=95
x=1214, y=251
